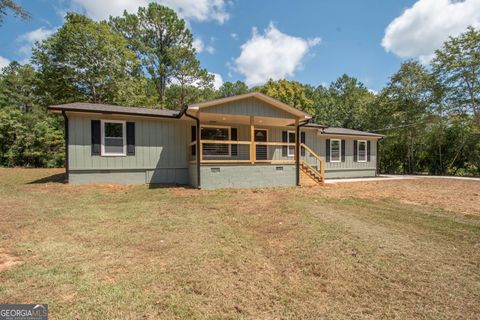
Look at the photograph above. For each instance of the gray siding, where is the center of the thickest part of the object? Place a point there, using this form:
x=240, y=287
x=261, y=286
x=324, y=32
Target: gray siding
x=245, y=176
x=106, y=176
x=318, y=144
x=159, y=144
x=249, y=107
x=350, y=173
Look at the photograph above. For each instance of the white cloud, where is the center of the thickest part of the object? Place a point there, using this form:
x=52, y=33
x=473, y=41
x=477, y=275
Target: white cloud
x=195, y=10
x=234, y=36
x=201, y=47
x=427, y=24
x=28, y=39
x=210, y=49
x=198, y=44
x=217, y=80
x=4, y=62
x=271, y=55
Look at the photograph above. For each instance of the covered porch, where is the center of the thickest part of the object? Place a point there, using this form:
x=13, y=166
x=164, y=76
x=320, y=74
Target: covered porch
x=250, y=132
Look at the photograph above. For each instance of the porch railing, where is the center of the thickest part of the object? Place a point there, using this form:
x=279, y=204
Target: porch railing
x=229, y=151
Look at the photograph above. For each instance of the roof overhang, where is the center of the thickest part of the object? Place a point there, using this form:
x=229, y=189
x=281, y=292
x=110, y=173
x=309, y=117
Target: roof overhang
x=257, y=95
x=81, y=107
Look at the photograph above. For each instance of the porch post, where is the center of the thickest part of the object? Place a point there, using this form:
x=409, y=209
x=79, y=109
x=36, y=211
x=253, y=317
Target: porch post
x=199, y=151
x=252, y=140
x=297, y=151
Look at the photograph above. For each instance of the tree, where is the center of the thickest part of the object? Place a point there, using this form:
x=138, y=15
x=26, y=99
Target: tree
x=343, y=104
x=84, y=61
x=193, y=94
x=11, y=5
x=292, y=93
x=404, y=108
x=30, y=139
x=457, y=64
x=164, y=45
x=229, y=89
x=18, y=86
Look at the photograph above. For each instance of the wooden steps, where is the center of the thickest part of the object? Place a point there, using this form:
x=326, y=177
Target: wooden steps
x=309, y=176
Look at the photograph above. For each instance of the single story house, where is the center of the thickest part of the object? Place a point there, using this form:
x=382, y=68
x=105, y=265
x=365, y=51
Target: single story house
x=249, y=140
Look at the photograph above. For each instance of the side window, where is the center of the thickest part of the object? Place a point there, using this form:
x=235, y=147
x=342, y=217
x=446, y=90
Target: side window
x=362, y=151
x=113, y=138
x=291, y=139
x=335, y=151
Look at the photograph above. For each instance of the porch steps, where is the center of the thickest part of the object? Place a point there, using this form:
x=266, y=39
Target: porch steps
x=309, y=176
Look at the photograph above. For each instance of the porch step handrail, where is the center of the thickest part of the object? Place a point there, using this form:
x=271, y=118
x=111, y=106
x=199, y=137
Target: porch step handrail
x=320, y=172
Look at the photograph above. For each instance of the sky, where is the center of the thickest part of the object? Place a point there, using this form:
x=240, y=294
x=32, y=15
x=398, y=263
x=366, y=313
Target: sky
x=310, y=41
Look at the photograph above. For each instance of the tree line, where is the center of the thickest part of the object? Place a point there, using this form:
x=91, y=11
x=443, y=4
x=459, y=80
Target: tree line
x=429, y=114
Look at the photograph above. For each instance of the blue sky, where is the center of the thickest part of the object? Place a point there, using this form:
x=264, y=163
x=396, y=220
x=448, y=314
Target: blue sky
x=311, y=41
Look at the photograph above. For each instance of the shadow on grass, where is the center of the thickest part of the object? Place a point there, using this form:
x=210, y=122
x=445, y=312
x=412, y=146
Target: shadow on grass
x=55, y=178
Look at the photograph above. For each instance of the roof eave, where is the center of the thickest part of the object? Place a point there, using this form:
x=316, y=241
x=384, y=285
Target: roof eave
x=60, y=109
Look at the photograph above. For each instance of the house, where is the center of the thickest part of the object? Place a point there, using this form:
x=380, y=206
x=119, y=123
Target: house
x=248, y=140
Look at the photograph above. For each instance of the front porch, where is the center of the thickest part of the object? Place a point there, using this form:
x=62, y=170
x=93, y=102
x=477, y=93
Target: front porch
x=253, y=139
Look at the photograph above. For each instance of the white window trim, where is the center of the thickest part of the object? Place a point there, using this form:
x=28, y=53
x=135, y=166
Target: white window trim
x=358, y=150
x=288, y=141
x=102, y=138
x=339, y=150
x=229, y=139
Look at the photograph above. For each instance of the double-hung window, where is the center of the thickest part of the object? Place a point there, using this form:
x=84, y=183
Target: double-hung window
x=291, y=139
x=362, y=150
x=113, y=138
x=218, y=134
x=335, y=150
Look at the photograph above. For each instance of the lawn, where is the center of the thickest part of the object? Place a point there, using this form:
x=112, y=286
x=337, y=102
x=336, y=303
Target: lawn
x=387, y=249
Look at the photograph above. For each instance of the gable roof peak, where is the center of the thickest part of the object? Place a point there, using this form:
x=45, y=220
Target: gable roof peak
x=257, y=95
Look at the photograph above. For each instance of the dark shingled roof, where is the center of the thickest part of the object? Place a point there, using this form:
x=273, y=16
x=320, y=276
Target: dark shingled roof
x=107, y=108
x=343, y=131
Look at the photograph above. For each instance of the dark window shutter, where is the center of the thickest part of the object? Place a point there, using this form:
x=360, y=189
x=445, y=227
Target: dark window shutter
x=327, y=150
x=131, y=138
x=343, y=150
x=355, y=149
x=194, y=138
x=368, y=150
x=284, y=148
x=302, y=140
x=96, y=137
x=234, y=137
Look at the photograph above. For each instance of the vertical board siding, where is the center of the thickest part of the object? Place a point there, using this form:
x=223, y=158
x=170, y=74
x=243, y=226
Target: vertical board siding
x=249, y=107
x=318, y=144
x=159, y=143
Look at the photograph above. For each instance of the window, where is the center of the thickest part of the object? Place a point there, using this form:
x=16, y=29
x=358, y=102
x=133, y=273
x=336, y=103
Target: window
x=215, y=133
x=113, y=138
x=291, y=139
x=335, y=150
x=362, y=151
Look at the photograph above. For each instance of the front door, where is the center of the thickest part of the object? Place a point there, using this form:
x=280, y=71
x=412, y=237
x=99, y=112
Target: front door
x=261, y=151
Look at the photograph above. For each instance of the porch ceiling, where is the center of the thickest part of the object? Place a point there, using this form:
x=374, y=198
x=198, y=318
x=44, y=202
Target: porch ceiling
x=213, y=118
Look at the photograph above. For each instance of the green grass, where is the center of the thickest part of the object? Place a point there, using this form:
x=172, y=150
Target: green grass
x=111, y=252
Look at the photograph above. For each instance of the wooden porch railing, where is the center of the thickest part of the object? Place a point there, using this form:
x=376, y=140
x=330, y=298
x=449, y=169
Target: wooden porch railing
x=230, y=151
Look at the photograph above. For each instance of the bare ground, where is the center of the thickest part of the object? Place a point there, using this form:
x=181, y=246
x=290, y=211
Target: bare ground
x=387, y=249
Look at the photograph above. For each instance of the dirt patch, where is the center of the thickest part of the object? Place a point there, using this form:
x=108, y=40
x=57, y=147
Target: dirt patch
x=461, y=196
x=8, y=261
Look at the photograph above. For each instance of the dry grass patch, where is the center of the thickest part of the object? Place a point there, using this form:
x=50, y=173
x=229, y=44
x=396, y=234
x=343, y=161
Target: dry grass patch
x=116, y=252
x=461, y=196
